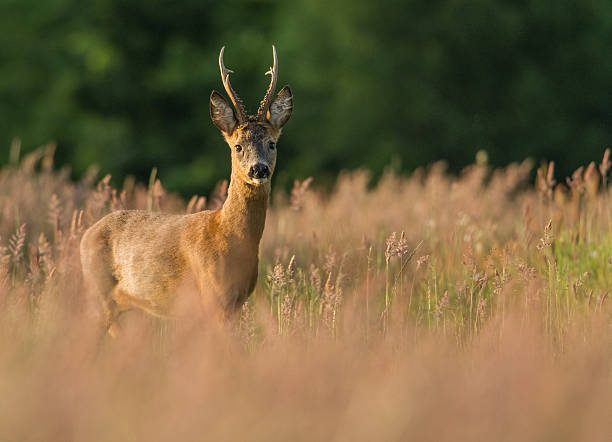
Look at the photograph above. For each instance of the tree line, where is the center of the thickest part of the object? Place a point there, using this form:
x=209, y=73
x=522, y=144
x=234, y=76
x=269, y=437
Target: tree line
x=125, y=83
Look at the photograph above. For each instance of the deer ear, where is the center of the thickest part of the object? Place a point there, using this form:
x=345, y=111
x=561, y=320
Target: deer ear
x=222, y=114
x=281, y=107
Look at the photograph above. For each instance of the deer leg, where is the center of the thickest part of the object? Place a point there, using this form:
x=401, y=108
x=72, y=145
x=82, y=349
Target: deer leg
x=110, y=310
x=112, y=314
x=100, y=284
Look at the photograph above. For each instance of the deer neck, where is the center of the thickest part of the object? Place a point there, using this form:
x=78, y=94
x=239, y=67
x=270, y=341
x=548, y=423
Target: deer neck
x=243, y=214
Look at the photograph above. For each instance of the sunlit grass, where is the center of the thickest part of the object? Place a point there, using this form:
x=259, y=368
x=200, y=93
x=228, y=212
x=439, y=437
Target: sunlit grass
x=428, y=307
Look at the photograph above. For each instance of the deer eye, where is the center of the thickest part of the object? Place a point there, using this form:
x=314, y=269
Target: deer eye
x=238, y=148
x=271, y=145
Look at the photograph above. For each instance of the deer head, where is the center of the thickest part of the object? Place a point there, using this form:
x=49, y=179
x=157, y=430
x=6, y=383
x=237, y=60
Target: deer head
x=252, y=139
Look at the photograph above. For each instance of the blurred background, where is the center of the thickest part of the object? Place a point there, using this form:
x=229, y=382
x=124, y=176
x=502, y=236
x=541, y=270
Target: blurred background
x=125, y=83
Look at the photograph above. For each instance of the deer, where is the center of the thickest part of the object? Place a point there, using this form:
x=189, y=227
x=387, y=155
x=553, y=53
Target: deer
x=135, y=259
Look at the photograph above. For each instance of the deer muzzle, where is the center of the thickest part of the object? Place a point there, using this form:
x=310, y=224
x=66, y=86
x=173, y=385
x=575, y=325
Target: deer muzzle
x=259, y=173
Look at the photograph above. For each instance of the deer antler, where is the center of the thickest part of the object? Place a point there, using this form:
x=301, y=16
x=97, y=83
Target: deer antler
x=267, y=100
x=238, y=105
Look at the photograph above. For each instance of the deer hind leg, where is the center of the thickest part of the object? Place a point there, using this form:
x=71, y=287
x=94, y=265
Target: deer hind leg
x=112, y=312
x=100, y=283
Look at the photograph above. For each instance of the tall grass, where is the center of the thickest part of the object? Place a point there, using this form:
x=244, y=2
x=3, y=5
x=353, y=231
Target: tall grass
x=428, y=307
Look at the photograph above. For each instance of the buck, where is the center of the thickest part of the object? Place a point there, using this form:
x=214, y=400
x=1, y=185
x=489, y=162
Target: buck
x=133, y=259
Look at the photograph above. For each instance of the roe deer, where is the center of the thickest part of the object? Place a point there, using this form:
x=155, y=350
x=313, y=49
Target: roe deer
x=138, y=259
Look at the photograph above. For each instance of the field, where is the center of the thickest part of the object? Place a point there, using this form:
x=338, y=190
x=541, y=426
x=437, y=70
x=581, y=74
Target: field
x=427, y=307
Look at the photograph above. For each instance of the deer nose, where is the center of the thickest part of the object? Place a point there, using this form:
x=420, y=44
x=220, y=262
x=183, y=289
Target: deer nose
x=259, y=171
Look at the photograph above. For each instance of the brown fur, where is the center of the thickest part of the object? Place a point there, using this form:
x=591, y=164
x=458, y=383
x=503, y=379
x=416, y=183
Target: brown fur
x=138, y=259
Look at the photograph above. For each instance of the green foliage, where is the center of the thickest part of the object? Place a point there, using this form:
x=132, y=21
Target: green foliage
x=125, y=83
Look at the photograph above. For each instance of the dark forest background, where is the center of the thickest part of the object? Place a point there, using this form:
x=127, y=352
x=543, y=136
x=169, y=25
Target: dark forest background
x=125, y=83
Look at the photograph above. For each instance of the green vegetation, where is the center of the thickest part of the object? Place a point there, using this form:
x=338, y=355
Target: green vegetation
x=125, y=83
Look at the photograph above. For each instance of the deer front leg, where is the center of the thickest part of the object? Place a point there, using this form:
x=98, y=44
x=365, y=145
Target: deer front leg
x=212, y=308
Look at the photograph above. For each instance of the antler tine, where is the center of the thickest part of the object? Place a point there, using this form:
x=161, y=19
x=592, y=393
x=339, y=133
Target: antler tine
x=265, y=103
x=238, y=105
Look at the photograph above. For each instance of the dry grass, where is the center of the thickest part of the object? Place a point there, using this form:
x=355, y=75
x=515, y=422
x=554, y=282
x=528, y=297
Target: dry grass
x=471, y=308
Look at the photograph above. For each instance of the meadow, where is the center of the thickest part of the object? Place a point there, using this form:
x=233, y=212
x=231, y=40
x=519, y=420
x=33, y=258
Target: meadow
x=428, y=307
